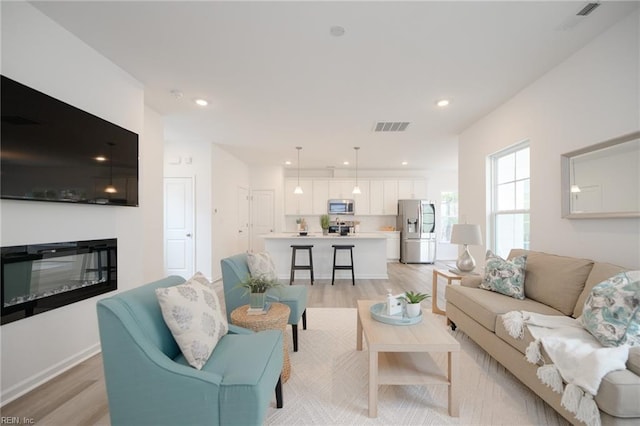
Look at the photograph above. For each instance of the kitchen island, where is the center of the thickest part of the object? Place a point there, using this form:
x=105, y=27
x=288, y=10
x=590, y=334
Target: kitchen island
x=369, y=255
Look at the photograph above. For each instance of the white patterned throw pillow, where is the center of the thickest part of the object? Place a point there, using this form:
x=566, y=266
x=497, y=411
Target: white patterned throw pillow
x=193, y=314
x=612, y=311
x=504, y=276
x=261, y=264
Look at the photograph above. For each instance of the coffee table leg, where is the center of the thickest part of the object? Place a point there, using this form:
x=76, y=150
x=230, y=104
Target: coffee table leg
x=359, y=334
x=373, y=383
x=454, y=358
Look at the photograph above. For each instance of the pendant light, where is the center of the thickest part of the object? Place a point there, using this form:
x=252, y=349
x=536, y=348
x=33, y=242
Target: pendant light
x=110, y=189
x=298, y=189
x=356, y=189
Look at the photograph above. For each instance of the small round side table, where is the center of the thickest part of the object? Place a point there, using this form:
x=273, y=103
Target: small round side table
x=275, y=319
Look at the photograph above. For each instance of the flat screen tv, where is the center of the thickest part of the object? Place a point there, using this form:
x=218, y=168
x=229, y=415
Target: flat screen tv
x=53, y=151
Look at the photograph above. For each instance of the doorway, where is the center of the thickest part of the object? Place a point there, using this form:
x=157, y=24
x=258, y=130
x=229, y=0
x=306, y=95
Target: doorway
x=243, y=220
x=262, y=217
x=179, y=230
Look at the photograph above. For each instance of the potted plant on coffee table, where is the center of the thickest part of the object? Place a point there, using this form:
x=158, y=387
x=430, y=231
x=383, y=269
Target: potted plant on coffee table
x=256, y=286
x=413, y=300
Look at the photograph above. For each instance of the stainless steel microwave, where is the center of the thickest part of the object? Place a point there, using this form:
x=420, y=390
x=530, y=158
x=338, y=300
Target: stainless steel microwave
x=340, y=207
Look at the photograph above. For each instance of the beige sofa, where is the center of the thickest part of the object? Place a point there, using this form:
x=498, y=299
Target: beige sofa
x=554, y=285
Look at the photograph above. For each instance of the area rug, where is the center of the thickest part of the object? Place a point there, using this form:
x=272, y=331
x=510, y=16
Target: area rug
x=329, y=385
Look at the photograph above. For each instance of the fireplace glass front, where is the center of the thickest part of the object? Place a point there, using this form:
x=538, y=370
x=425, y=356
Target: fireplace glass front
x=40, y=277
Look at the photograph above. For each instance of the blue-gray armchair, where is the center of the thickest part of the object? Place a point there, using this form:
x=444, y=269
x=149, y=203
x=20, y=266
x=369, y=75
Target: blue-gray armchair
x=235, y=269
x=149, y=382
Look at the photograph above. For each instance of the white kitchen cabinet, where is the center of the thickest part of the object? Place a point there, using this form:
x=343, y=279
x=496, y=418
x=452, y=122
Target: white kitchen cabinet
x=362, y=199
x=376, y=197
x=390, y=198
x=412, y=189
x=320, y=196
x=341, y=189
x=383, y=197
x=393, y=245
x=298, y=204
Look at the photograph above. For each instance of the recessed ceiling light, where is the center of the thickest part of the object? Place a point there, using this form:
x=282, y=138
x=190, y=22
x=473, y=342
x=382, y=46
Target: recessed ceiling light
x=201, y=102
x=443, y=102
x=288, y=163
x=100, y=158
x=336, y=31
x=404, y=163
x=346, y=163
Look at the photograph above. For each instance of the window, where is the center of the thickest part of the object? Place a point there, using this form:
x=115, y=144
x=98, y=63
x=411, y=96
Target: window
x=448, y=214
x=510, y=199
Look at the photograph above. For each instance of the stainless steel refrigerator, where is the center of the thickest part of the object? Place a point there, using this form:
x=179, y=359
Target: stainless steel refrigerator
x=416, y=222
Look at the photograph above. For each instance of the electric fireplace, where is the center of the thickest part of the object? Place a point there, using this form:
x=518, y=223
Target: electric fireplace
x=39, y=277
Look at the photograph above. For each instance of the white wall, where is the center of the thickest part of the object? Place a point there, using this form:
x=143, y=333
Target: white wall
x=151, y=195
x=591, y=97
x=228, y=175
x=42, y=55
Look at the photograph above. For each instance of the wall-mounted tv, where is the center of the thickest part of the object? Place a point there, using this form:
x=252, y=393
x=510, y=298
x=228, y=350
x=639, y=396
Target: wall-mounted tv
x=53, y=151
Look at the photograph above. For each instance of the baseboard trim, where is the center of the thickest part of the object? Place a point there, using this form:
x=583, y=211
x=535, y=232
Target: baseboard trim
x=27, y=385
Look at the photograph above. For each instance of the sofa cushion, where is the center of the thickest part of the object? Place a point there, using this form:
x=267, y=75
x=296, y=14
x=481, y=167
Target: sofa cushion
x=193, y=314
x=485, y=306
x=601, y=271
x=619, y=390
x=241, y=358
x=504, y=276
x=612, y=310
x=633, y=363
x=554, y=280
x=262, y=264
x=519, y=344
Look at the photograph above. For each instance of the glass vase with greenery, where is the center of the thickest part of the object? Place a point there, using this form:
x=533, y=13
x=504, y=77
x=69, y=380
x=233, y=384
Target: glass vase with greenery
x=256, y=286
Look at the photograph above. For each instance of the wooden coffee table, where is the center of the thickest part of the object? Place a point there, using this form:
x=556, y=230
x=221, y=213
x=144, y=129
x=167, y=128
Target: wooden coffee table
x=399, y=355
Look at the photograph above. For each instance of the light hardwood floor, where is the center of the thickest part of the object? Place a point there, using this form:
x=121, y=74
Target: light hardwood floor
x=78, y=396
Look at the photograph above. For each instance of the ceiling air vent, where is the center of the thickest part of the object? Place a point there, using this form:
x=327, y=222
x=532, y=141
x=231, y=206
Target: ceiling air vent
x=391, y=126
x=590, y=7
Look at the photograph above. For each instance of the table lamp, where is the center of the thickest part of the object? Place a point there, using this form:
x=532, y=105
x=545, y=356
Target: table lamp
x=467, y=235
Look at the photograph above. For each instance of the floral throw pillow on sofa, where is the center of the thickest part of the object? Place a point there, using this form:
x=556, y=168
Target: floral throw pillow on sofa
x=612, y=310
x=504, y=276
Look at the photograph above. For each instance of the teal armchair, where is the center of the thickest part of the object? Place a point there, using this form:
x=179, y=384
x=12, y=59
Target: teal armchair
x=236, y=268
x=150, y=383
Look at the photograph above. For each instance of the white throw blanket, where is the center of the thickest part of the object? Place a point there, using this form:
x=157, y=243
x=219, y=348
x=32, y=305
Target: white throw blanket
x=577, y=357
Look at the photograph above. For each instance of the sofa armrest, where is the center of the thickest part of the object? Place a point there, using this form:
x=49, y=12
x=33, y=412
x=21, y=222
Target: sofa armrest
x=473, y=281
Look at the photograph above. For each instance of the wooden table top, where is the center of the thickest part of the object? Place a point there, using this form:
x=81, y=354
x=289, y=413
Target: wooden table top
x=429, y=335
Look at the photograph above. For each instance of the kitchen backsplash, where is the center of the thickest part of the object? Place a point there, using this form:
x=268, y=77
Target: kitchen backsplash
x=367, y=223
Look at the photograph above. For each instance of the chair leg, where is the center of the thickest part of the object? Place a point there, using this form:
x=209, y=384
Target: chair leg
x=304, y=320
x=311, y=265
x=333, y=273
x=293, y=263
x=294, y=332
x=279, y=393
x=353, y=275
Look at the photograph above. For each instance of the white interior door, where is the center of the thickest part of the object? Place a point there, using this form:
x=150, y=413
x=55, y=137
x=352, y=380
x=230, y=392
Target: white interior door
x=243, y=220
x=262, y=217
x=179, y=227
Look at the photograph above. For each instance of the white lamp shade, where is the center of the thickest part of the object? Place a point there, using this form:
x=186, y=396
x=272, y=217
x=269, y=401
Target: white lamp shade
x=466, y=234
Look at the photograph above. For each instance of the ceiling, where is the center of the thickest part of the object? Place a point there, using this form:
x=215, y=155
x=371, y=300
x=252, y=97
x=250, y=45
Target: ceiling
x=276, y=78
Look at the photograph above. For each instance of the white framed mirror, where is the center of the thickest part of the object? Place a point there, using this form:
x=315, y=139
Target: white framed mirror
x=602, y=180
